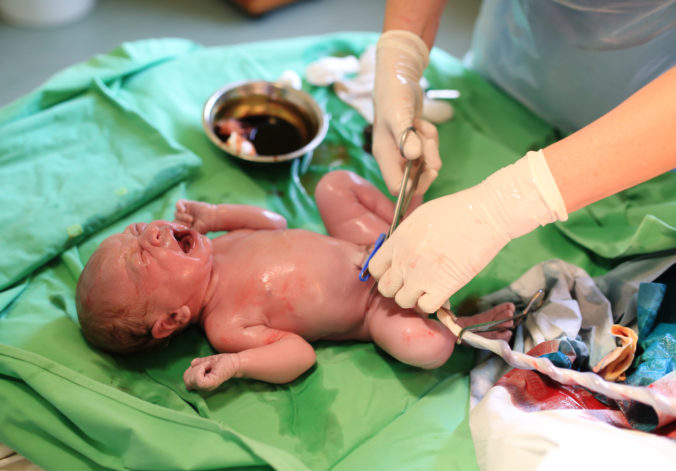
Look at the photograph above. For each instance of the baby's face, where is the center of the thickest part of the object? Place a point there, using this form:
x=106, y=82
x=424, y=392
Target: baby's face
x=167, y=263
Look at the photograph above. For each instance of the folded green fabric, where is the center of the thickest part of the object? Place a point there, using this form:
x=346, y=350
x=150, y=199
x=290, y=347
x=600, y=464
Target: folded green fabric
x=125, y=60
x=70, y=169
x=637, y=221
x=67, y=406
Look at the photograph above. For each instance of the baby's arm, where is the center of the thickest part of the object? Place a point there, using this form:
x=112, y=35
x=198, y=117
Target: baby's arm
x=270, y=355
x=205, y=217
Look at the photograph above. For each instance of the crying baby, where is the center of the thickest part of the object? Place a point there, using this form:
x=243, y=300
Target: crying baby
x=261, y=292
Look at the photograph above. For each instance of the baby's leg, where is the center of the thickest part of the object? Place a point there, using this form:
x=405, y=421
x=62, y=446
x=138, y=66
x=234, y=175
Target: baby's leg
x=426, y=343
x=407, y=336
x=354, y=209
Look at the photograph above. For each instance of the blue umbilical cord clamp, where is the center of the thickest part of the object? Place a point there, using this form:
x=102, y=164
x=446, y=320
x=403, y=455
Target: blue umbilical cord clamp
x=363, y=274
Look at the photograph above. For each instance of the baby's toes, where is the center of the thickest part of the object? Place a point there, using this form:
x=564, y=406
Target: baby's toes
x=503, y=311
x=502, y=334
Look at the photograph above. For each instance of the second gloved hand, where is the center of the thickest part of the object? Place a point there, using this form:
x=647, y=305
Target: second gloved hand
x=445, y=242
x=401, y=58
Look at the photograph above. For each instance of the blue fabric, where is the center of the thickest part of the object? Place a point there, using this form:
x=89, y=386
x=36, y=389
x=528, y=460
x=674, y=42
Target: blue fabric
x=571, y=354
x=559, y=359
x=650, y=296
x=658, y=358
x=656, y=338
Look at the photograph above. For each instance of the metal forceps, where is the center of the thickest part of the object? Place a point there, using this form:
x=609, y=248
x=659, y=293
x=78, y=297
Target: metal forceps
x=534, y=303
x=403, y=199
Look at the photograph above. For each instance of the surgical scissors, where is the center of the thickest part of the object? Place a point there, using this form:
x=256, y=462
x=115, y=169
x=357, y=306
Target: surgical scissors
x=536, y=301
x=403, y=199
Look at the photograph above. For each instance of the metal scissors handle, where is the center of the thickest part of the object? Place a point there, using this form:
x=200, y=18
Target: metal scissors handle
x=403, y=199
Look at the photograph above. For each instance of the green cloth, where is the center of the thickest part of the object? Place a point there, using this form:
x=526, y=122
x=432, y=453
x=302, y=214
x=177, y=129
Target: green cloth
x=104, y=143
x=636, y=221
x=67, y=171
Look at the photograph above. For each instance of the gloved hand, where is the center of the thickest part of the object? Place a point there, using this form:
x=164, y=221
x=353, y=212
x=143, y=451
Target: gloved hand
x=401, y=58
x=444, y=243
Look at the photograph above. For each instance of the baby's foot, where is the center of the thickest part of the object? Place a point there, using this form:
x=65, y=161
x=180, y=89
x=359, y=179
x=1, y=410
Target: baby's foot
x=501, y=311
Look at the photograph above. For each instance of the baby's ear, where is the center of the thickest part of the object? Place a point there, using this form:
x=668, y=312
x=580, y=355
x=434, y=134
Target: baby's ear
x=170, y=323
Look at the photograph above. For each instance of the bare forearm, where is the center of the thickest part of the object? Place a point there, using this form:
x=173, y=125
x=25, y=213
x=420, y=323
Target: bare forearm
x=279, y=362
x=632, y=143
x=420, y=17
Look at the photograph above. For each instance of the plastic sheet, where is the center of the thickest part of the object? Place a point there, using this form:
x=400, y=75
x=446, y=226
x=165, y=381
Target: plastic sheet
x=664, y=404
x=571, y=61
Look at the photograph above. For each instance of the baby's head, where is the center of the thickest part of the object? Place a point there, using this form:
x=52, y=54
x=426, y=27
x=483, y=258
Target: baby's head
x=143, y=285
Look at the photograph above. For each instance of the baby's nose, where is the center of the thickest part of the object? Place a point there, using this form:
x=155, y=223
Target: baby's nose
x=151, y=234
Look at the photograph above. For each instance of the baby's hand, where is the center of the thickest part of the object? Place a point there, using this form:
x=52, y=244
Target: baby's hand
x=193, y=214
x=208, y=373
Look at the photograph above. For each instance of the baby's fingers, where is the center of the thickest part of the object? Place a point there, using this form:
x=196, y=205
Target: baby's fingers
x=191, y=377
x=199, y=360
x=184, y=218
x=181, y=206
x=201, y=377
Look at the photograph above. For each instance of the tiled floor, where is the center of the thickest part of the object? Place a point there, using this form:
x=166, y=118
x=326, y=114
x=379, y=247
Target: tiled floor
x=28, y=56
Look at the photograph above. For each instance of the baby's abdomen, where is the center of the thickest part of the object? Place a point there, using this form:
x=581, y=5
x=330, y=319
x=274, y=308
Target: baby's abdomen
x=313, y=287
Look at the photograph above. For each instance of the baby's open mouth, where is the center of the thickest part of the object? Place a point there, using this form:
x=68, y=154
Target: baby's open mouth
x=185, y=240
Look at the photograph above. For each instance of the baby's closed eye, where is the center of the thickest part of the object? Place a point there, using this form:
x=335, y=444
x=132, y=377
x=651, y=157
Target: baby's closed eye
x=136, y=228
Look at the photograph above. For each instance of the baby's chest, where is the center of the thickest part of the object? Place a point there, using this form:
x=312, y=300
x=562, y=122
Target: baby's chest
x=282, y=291
x=296, y=274
x=295, y=299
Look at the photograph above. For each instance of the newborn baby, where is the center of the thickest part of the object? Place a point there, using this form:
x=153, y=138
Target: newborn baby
x=261, y=292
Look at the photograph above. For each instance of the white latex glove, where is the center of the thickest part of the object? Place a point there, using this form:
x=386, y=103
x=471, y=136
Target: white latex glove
x=444, y=243
x=401, y=58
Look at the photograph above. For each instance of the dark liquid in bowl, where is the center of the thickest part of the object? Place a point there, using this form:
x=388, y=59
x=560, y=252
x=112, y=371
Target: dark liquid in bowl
x=270, y=135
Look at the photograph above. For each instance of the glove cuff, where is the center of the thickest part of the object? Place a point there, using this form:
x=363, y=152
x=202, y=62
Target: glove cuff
x=523, y=196
x=407, y=43
x=544, y=181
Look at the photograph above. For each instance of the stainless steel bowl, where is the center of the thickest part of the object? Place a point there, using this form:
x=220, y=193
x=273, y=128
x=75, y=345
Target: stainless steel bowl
x=287, y=123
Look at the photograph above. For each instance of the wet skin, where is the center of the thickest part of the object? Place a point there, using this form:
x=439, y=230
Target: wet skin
x=262, y=292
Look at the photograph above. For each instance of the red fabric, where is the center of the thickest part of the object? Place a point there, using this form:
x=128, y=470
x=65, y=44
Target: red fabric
x=531, y=391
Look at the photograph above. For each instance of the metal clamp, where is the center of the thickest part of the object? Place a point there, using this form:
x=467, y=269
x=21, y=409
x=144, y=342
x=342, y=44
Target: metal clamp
x=404, y=197
x=403, y=200
x=535, y=303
